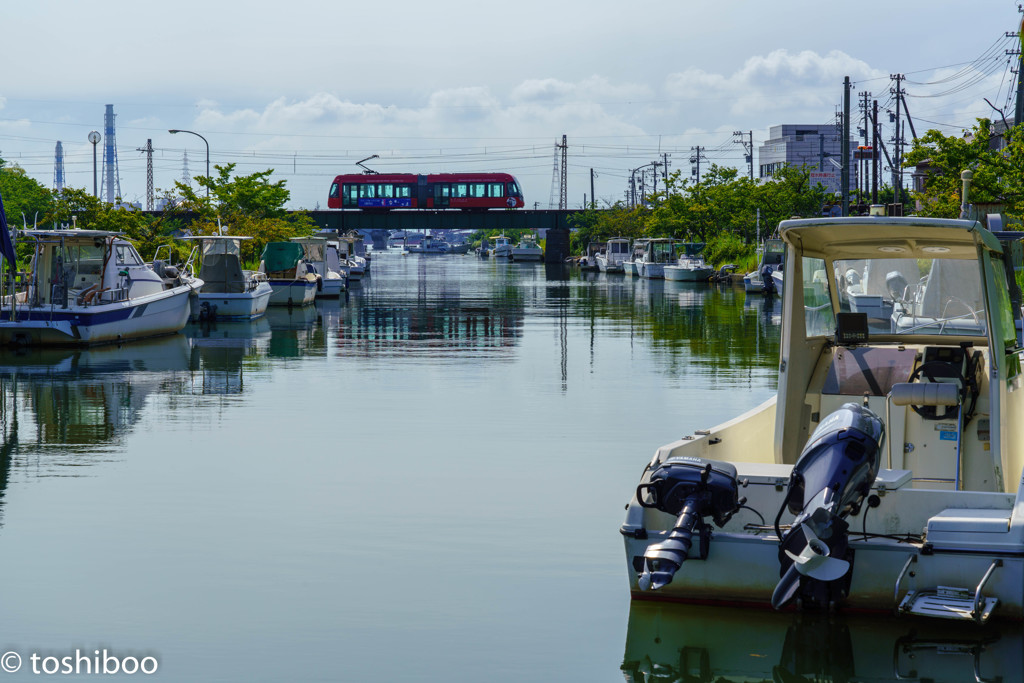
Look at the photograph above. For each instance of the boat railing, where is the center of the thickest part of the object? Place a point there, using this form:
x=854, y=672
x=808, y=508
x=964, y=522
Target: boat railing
x=190, y=262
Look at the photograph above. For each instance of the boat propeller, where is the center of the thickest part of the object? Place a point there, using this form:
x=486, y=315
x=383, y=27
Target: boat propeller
x=692, y=489
x=829, y=482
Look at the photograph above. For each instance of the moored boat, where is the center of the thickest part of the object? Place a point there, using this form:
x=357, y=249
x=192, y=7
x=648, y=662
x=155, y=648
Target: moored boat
x=91, y=287
x=772, y=256
x=317, y=253
x=615, y=252
x=229, y=292
x=657, y=253
x=501, y=246
x=885, y=475
x=294, y=283
x=527, y=250
x=690, y=266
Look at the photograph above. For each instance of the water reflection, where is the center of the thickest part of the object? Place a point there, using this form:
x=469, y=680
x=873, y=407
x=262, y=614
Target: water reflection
x=295, y=331
x=219, y=351
x=669, y=642
x=74, y=404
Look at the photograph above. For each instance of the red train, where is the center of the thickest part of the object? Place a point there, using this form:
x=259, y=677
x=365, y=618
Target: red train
x=437, y=191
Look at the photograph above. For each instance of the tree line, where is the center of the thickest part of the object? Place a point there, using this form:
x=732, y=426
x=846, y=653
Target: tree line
x=250, y=205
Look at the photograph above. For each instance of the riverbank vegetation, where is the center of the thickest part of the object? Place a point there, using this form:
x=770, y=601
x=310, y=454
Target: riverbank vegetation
x=727, y=211
x=251, y=205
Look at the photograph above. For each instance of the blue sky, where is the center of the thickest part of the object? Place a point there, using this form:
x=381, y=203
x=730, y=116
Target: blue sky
x=308, y=88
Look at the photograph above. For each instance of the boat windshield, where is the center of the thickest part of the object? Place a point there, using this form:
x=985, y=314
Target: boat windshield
x=904, y=296
x=221, y=247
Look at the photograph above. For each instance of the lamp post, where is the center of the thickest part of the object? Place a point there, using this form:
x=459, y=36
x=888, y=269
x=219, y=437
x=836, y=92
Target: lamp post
x=94, y=138
x=192, y=132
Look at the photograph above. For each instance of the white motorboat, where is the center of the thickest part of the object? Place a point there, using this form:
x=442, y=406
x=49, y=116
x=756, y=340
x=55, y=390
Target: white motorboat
x=430, y=245
x=527, y=250
x=886, y=473
x=773, y=255
x=293, y=281
x=690, y=266
x=629, y=266
x=229, y=292
x=502, y=246
x=349, y=248
x=656, y=255
x=90, y=287
x=615, y=253
x=321, y=254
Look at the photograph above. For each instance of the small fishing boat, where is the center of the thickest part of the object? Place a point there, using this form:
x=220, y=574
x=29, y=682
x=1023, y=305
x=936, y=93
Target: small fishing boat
x=320, y=254
x=615, y=252
x=351, y=250
x=91, y=287
x=885, y=475
x=690, y=266
x=294, y=283
x=527, y=250
x=629, y=266
x=656, y=255
x=502, y=247
x=773, y=255
x=229, y=292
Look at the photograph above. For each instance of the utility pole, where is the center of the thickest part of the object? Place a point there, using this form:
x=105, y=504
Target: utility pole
x=695, y=159
x=897, y=168
x=874, y=152
x=862, y=163
x=664, y=158
x=1019, y=110
x=593, y=201
x=748, y=147
x=845, y=174
x=148, y=149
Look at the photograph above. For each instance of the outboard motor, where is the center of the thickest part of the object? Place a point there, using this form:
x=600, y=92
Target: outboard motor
x=829, y=482
x=692, y=489
x=768, y=282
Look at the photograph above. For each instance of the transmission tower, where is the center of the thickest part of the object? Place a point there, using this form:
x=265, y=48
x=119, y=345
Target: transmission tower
x=58, y=167
x=555, y=175
x=186, y=179
x=563, y=201
x=111, y=186
x=148, y=149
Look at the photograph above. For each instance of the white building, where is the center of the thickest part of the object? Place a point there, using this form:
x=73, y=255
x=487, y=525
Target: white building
x=817, y=146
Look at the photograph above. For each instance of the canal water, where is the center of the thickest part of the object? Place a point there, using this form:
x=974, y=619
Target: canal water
x=421, y=482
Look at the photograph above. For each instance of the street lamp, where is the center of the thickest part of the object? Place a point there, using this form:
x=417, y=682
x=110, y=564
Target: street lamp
x=94, y=138
x=192, y=132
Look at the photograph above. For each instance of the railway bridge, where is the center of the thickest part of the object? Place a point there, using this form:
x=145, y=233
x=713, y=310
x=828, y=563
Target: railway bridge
x=554, y=221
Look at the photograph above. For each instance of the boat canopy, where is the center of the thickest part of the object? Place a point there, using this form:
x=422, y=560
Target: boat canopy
x=281, y=256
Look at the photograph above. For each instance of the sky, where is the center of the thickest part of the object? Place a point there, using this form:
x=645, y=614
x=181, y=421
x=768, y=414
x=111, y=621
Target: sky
x=308, y=88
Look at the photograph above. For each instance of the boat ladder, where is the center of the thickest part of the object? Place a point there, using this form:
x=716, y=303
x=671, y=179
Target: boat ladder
x=946, y=602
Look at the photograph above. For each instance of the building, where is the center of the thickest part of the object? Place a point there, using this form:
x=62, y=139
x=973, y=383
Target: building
x=817, y=146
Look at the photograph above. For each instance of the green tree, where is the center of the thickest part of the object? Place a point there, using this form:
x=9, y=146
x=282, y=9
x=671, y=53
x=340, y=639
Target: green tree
x=946, y=156
x=24, y=198
x=249, y=205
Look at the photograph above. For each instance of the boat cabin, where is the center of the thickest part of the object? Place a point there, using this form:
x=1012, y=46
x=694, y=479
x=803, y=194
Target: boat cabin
x=221, y=270
x=83, y=267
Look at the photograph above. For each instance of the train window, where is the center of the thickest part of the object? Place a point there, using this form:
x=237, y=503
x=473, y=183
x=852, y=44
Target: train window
x=386, y=191
x=442, y=190
x=496, y=190
x=513, y=190
x=478, y=190
x=460, y=190
x=334, y=190
x=403, y=191
x=367, y=191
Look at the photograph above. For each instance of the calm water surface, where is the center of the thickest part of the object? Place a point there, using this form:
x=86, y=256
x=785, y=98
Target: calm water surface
x=423, y=482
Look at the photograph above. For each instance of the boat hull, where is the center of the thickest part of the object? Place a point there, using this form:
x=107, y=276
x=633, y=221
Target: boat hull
x=165, y=312
x=240, y=306
x=292, y=292
x=680, y=274
x=651, y=271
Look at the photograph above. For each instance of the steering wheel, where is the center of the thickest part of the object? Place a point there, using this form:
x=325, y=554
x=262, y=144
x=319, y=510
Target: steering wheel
x=929, y=371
